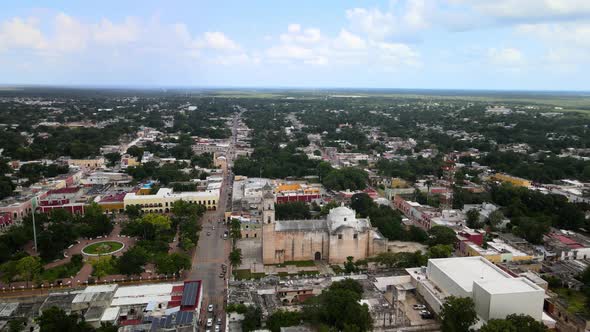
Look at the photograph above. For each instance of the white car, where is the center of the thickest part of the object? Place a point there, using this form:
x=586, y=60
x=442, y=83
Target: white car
x=209, y=322
x=419, y=307
x=217, y=328
x=210, y=308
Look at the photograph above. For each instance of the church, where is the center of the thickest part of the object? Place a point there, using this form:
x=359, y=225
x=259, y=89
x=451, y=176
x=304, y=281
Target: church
x=333, y=239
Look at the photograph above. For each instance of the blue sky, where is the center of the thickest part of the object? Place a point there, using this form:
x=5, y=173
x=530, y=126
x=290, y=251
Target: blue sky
x=448, y=44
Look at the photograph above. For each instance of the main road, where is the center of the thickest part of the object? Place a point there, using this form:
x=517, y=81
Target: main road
x=213, y=250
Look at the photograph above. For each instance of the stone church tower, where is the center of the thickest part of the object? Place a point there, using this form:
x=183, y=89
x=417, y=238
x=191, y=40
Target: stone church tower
x=268, y=205
x=268, y=224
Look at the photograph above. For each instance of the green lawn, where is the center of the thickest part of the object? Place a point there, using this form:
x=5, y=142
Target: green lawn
x=63, y=271
x=246, y=274
x=104, y=247
x=297, y=263
x=576, y=301
x=337, y=269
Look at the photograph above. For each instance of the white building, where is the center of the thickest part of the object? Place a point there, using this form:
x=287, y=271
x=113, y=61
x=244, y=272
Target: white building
x=163, y=200
x=496, y=293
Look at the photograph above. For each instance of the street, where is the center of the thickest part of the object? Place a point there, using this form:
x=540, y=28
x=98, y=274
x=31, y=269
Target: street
x=212, y=250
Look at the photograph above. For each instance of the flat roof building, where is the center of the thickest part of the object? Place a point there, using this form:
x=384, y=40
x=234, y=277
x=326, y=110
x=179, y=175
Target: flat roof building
x=496, y=293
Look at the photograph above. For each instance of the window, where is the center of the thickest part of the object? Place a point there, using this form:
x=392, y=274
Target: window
x=339, y=236
x=269, y=219
x=355, y=236
x=344, y=219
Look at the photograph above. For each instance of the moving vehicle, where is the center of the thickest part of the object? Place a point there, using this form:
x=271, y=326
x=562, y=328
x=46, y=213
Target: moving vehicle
x=210, y=308
x=419, y=307
x=209, y=322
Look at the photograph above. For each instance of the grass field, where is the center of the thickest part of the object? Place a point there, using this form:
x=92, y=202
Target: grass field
x=576, y=301
x=63, y=271
x=297, y=263
x=104, y=247
x=246, y=274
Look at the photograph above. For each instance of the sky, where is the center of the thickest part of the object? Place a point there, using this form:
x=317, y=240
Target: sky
x=424, y=44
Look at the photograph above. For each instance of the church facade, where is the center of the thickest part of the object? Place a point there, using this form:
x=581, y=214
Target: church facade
x=333, y=239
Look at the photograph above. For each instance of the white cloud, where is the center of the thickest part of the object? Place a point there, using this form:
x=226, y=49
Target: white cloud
x=373, y=22
x=310, y=35
x=348, y=40
x=505, y=56
x=21, y=33
x=218, y=41
x=294, y=28
x=346, y=48
x=70, y=34
x=108, y=32
x=403, y=20
x=550, y=10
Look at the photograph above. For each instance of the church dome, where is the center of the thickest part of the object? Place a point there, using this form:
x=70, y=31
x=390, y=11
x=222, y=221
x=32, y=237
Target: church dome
x=341, y=216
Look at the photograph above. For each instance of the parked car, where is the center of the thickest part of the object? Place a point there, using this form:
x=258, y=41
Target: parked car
x=217, y=328
x=419, y=307
x=210, y=308
x=425, y=314
x=218, y=320
x=209, y=322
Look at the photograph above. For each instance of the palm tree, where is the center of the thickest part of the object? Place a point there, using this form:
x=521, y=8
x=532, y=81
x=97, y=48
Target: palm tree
x=235, y=257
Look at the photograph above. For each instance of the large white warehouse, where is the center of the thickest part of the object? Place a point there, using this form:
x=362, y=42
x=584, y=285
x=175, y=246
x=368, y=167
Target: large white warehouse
x=496, y=293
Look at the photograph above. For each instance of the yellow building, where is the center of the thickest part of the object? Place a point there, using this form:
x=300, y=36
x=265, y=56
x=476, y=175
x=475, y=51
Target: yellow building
x=162, y=201
x=515, y=181
x=129, y=161
x=91, y=163
x=398, y=183
x=496, y=252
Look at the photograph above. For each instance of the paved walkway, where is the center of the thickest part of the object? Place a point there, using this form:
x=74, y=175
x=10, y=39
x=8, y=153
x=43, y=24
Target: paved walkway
x=82, y=276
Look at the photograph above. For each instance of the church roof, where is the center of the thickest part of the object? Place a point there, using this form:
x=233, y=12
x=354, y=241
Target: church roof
x=268, y=195
x=301, y=225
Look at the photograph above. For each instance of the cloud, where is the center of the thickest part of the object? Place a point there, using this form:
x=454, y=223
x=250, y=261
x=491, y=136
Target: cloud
x=534, y=10
x=344, y=49
x=372, y=22
x=403, y=20
x=21, y=33
x=295, y=34
x=505, y=57
x=108, y=32
x=218, y=41
x=348, y=40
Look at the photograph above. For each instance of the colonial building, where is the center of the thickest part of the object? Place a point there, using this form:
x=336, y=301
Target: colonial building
x=333, y=239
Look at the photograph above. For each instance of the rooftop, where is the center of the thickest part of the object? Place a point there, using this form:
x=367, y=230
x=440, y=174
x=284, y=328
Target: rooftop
x=465, y=270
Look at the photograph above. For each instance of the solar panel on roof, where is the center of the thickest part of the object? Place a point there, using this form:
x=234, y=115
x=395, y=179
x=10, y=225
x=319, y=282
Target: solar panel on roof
x=184, y=318
x=189, y=295
x=168, y=322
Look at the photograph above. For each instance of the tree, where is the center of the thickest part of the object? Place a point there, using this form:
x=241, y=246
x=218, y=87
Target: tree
x=441, y=235
x=55, y=319
x=361, y=203
x=112, y=158
x=514, y=323
x=235, y=229
x=132, y=261
x=235, y=257
x=172, y=263
x=457, y=314
x=252, y=319
x=292, y=211
x=349, y=265
x=282, y=318
x=133, y=211
x=473, y=219
x=29, y=268
x=338, y=306
x=103, y=266
x=495, y=218
x=440, y=251
x=16, y=324
x=9, y=271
